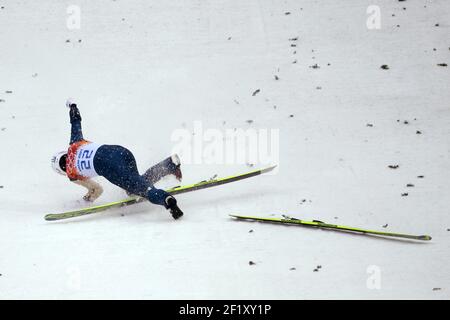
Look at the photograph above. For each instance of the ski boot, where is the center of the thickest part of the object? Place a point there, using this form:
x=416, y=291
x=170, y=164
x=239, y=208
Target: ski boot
x=176, y=164
x=171, y=205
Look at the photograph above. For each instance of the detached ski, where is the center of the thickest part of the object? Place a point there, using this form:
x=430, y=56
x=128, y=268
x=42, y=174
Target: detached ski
x=323, y=225
x=176, y=190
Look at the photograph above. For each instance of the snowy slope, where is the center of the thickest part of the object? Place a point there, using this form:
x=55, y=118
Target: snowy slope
x=142, y=69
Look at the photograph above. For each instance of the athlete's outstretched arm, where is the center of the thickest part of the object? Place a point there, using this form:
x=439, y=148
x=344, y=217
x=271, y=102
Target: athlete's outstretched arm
x=94, y=189
x=75, y=121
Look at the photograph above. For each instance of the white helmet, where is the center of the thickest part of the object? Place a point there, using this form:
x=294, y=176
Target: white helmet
x=59, y=162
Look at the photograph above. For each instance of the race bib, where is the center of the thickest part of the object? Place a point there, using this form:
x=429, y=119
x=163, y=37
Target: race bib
x=85, y=160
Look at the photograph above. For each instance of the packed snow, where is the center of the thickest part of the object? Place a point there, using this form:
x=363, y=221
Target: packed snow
x=358, y=91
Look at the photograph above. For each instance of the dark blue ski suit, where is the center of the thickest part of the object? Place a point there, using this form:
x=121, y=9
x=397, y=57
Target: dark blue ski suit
x=118, y=165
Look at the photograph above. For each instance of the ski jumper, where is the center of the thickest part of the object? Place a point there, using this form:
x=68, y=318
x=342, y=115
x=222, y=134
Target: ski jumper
x=113, y=162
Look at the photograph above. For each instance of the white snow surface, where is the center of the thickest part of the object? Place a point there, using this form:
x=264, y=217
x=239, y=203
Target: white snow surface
x=141, y=69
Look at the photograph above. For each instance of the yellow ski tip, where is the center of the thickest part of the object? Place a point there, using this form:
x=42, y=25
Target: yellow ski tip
x=270, y=168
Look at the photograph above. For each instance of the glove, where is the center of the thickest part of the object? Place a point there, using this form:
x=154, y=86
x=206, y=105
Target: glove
x=92, y=195
x=70, y=102
x=74, y=113
x=94, y=189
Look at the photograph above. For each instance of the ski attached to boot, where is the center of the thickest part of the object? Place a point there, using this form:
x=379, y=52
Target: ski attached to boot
x=323, y=225
x=173, y=191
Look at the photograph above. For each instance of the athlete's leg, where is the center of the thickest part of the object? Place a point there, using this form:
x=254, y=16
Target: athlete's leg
x=171, y=165
x=118, y=165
